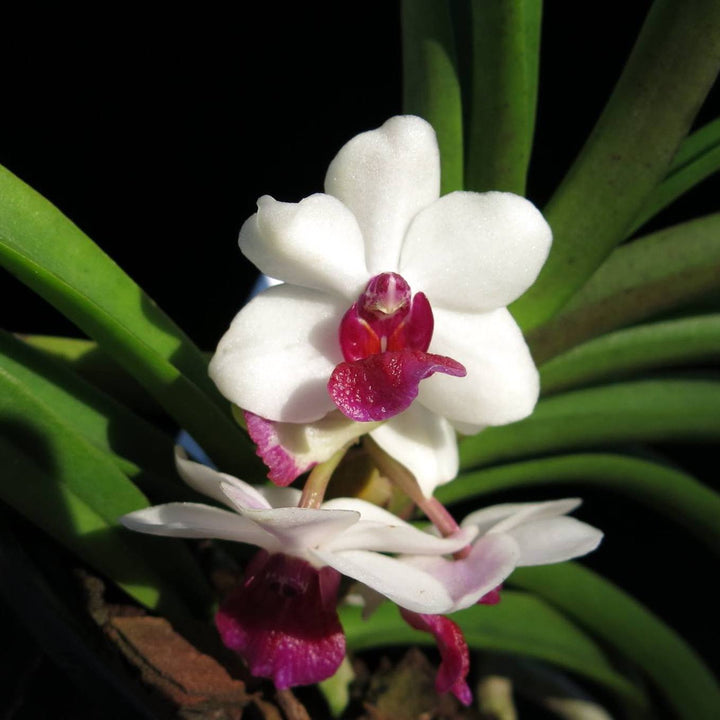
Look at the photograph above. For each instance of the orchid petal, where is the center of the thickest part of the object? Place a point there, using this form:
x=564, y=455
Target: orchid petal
x=383, y=531
x=279, y=497
x=192, y=520
x=506, y=516
x=554, y=540
x=290, y=449
x=315, y=243
x=502, y=383
x=297, y=528
x=383, y=385
x=278, y=354
x=475, y=251
x=407, y=586
x=207, y=481
x=386, y=176
x=490, y=561
x=454, y=653
x=424, y=442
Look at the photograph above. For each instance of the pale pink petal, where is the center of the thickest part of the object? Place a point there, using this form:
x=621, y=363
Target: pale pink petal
x=554, y=540
x=506, y=516
x=290, y=449
x=298, y=529
x=386, y=176
x=277, y=356
x=490, y=561
x=475, y=251
x=207, y=481
x=315, y=243
x=408, y=586
x=192, y=520
x=383, y=531
x=502, y=383
x=424, y=442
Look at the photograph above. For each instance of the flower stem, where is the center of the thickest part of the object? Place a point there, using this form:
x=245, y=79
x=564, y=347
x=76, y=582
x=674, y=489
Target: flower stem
x=317, y=482
x=405, y=480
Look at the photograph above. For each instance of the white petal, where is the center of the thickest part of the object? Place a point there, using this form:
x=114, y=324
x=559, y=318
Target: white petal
x=280, y=496
x=491, y=560
x=408, y=586
x=191, y=520
x=506, y=516
x=424, y=442
x=298, y=529
x=279, y=353
x=315, y=243
x=383, y=531
x=502, y=383
x=386, y=176
x=553, y=540
x=207, y=481
x=475, y=251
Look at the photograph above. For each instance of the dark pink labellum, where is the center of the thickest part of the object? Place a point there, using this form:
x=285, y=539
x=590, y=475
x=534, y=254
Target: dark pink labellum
x=384, y=337
x=454, y=654
x=491, y=598
x=268, y=446
x=283, y=621
x=383, y=385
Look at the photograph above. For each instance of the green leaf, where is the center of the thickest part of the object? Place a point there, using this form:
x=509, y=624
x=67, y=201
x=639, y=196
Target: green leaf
x=76, y=493
x=46, y=251
x=662, y=271
x=105, y=423
x=521, y=624
x=431, y=88
x=505, y=53
x=685, y=341
x=610, y=615
x=697, y=158
x=647, y=410
x=675, y=494
x=86, y=359
x=670, y=70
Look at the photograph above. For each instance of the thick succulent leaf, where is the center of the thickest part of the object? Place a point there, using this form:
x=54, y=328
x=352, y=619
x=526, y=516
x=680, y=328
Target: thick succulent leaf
x=684, y=341
x=675, y=494
x=697, y=158
x=630, y=149
x=646, y=410
x=505, y=47
x=105, y=423
x=87, y=360
x=431, y=87
x=662, y=271
x=47, y=252
x=612, y=616
x=520, y=623
x=76, y=493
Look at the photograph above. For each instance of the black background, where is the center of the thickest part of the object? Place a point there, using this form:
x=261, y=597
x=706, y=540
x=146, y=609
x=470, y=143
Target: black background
x=156, y=133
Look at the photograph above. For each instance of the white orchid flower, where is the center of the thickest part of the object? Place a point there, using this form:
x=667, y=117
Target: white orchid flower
x=391, y=319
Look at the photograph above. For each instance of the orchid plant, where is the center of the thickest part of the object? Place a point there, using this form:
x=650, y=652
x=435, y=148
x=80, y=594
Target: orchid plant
x=433, y=338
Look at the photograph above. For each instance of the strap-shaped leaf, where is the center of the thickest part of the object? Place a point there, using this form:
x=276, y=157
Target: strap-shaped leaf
x=431, y=87
x=505, y=49
x=614, y=617
x=46, y=251
x=675, y=494
x=76, y=492
x=644, y=278
x=105, y=423
x=685, y=341
x=697, y=158
x=668, y=74
x=520, y=623
x=647, y=410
